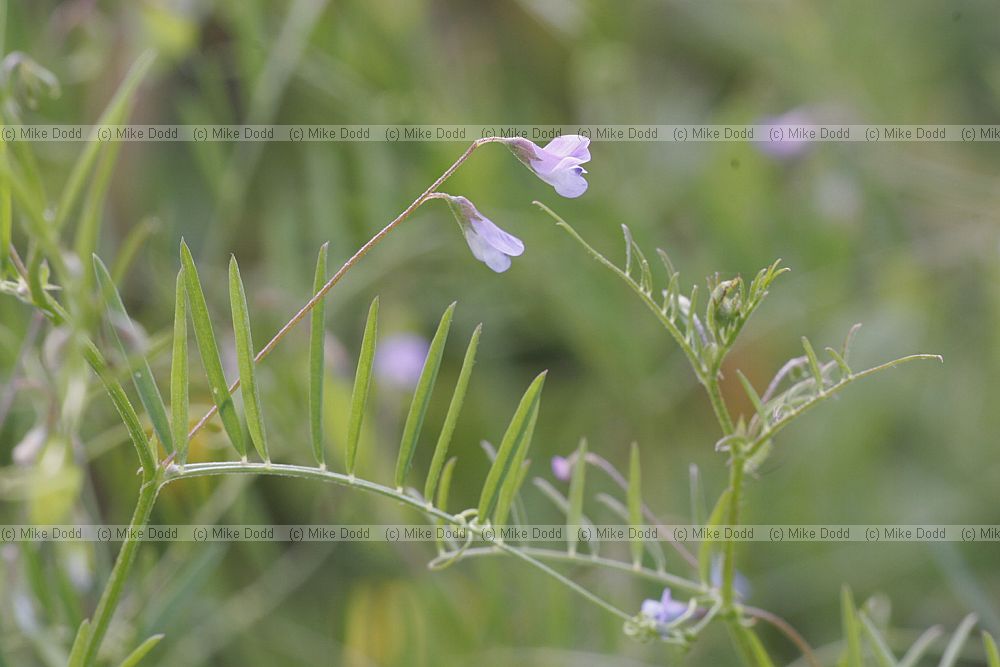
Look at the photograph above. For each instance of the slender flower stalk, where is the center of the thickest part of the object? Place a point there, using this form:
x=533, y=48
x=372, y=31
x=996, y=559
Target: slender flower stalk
x=350, y=263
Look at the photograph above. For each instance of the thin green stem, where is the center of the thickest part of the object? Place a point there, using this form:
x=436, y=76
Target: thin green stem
x=786, y=628
x=566, y=581
x=719, y=407
x=151, y=483
x=175, y=473
x=123, y=565
x=667, y=323
x=562, y=556
x=771, y=431
x=354, y=259
x=736, y=471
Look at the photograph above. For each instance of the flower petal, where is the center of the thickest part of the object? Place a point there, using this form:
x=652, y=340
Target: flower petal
x=567, y=178
x=484, y=252
x=651, y=609
x=570, y=145
x=562, y=469
x=496, y=237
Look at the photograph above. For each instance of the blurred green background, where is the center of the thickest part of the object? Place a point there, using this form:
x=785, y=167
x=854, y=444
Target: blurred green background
x=902, y=237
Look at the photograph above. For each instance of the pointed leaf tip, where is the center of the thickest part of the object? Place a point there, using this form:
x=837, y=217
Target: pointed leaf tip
x=209, y=349
x=179, y=372
x=422, y=396
x=517, y=436
x=362, y=386
x=317, y=360
x=126, y=335
x=577, y=481
x=451, y=418
x=246, y=361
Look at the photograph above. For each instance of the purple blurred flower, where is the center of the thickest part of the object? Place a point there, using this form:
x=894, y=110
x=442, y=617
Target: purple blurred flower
x=740, y=583
x=790, y=145
x=665, y=610
x=562, y=468
x=399, y=359
x=489, y=244
x=558, y=164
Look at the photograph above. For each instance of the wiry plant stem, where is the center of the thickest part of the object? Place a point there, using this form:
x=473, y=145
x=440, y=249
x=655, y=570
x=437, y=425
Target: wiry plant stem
x=563, y=556
x=786, y=629
x=175, y=473
x=151, y=483
x=354, y=259
x=123, y=565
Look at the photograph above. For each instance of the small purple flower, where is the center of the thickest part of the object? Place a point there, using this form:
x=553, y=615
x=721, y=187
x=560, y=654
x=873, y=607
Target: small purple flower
x=562, y=468
x=792, y=144
x=489, y=244
x=665, y=610
x=740, y=583
x=558, y=164
x=399, y=359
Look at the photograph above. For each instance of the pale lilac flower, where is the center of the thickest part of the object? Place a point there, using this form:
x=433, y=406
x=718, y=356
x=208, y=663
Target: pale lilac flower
x=562, y=468
x=558, y=164
x=790, y=146
x=399, y=359
x=740, y=583
x=489, y=244
x=665, y=610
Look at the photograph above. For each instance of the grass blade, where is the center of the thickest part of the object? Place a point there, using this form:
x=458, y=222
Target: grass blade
x=142, y=376
x=813, y=364
x=574, y=511
x=751, y=646
x=845, y=370
x=706, y=546
x=317, y=332
x=422, y=397
x=79, y=647
x=114, y=114
x=754, y=398
x=136, y=656
x=445, y=487
x=362, y=384
x=635, y=502
x=131, y=246
x=6, y=214
x=883, y=654
x=124, y=407
x=501, y=467
x=620, y=510
x=451, y=419
x=990, y=646
x=245, y=357
x=845, y=351
x=88, y=228
x=512, y=482
x=699, y=507
x=919, y=647
x=179, y=373
x=957, y=641
x=442, y=498
x=852, y=631
x=209, y=349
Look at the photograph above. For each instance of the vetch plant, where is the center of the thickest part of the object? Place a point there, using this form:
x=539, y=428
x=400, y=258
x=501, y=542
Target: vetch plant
x=703, y=588
x=558, y=164
x=489, y=244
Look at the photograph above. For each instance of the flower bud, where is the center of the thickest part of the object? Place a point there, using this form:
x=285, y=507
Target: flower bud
x=489, y=244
